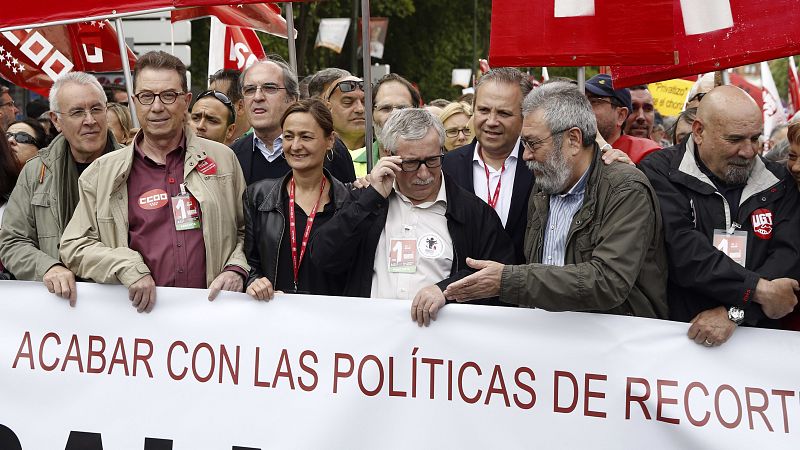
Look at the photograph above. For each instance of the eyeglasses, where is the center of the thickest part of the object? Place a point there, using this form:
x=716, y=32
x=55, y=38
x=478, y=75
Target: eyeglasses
x=597, y=100
x=250, y=90
x=699, y=97
x=347, y=86
x=13, y=105
x=533, y=145
x=412, y=165
x=222, y=98
x=453, y=132
x=79, y=114
x=386, y=109
x=22, y=137
x=166, y=97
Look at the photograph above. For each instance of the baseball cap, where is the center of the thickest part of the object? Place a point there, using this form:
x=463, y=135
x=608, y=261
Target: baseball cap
x=601, y=86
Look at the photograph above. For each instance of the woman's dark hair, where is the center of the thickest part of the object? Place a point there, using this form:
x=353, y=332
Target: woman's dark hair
x=688, y=115
x=316, y=108
x=9, y=170
x=38, y=131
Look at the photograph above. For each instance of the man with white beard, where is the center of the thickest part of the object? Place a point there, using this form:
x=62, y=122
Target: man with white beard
x=594, y=240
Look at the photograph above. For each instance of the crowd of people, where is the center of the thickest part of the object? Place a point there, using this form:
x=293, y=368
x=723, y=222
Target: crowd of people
x=515, y=196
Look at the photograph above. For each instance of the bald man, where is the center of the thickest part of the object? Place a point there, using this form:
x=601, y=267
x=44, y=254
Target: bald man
x=730, y=220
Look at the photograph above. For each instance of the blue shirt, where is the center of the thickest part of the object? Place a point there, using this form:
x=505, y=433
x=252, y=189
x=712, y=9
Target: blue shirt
x=562, y=209
x=270, y=153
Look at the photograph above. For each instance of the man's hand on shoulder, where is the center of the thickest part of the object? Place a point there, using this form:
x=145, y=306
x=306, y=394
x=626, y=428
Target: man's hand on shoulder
x=61, y=281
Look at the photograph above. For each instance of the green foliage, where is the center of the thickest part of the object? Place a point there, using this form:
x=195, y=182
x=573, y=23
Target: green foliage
x=780, y=73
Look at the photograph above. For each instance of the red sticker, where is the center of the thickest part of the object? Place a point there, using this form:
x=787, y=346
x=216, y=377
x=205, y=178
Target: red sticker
x=207, y=166
x=762, y=223
x=153, y=199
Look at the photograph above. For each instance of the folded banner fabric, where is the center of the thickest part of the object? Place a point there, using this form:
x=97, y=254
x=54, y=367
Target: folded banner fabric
x=324, y=372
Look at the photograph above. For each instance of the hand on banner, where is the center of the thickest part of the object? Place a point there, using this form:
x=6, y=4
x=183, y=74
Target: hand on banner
x=777, y=297
x=228, y=280
x=426, y=305
x=61, y=281
x=143, y=294
x=484, y=283
x=261, y=289
x=383, y=174
x=712, y=327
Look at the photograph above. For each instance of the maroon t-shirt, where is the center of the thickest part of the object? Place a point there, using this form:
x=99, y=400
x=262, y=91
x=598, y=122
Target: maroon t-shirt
x=175, y=258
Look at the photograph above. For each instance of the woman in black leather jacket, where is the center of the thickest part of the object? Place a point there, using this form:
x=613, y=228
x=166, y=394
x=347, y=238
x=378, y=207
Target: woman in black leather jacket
x=283, y=214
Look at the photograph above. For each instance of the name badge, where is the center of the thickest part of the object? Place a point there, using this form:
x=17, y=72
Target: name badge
x=733, y=244
x=185, y=211
x=403, y=255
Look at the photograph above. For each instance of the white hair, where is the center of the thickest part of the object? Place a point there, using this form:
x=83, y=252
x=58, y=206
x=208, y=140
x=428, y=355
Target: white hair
x=81, y=78
x=410, y=124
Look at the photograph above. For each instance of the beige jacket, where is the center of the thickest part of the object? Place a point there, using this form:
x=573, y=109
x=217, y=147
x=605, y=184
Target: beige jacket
x=95, y=242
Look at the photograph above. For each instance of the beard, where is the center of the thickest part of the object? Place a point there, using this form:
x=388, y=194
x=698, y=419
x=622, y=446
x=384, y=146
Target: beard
x=738, y=170
x=552, y=174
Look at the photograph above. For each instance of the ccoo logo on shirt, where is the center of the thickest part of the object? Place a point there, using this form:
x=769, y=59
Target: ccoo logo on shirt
x=762, y=223
x=153, y=199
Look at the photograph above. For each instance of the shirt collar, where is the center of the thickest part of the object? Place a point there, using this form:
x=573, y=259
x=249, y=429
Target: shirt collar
x=510, y=160
x=276, y=148
x=579, y=187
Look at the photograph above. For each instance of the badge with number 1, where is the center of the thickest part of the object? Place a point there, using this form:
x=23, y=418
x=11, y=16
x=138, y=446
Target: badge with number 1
x=733, y=244
x=403, y=255
x=184, y=211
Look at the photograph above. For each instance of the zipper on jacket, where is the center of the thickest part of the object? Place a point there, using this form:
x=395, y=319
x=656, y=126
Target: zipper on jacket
x=278, y=250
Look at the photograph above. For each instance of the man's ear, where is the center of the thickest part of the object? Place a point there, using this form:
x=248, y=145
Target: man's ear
x=622, y=115
x=697, y=131
x=55, y=119
x=229, y=132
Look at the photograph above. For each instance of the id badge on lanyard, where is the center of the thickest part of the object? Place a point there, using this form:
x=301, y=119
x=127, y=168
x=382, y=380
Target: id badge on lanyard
x=732, y=243
x=185, y=211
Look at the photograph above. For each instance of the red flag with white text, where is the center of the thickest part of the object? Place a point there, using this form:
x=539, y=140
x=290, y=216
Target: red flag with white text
x=794, y=87
x=528, y=33
x=232, y=47
x=712, y=35
x=34, y=58
x=264, y=17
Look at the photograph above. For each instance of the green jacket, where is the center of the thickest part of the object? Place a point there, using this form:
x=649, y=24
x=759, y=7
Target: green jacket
x=95, y=242
x=615, y=261
x=32, y=223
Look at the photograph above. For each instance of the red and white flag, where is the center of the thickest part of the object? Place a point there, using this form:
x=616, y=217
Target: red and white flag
x=34, y=58
x=264, y=17
x=712, y=35
x=232, y=47
x=774, y=114
x=794, y=88
x=528, y=33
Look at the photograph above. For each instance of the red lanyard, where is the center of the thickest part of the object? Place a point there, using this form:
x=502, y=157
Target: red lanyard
x=293, y=228
x=492, y=199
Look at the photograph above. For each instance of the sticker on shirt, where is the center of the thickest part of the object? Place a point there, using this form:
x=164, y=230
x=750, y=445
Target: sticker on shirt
x=403, y=255
x=153, y=199
x=430, y=246
x=762, y=223
x=732, y=244
x=185, y=212
x=207, y=166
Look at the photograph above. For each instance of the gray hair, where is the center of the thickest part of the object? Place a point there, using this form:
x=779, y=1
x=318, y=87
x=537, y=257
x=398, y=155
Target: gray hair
x=508, y=75
x=564, y=107
x=289, y=77
x=780, y=152
x=410, y=124
x=321, y=80
x=81, y=78
x=778, y=129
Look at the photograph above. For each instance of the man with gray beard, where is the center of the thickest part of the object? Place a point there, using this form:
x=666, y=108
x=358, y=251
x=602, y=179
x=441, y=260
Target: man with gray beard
x=731, y=220
x=594, y=240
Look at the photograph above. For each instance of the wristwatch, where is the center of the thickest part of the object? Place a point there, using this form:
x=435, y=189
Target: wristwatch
x=736, y=315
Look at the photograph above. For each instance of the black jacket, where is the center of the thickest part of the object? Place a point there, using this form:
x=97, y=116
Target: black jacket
x=700, y=276
x=265, y=218
x=349, y=241
x=458, y=165
x=339, y=163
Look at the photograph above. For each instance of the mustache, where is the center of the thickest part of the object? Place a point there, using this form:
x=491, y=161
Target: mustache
x=425, y=182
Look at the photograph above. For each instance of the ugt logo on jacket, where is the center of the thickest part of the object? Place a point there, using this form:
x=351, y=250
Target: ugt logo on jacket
x=762, y=223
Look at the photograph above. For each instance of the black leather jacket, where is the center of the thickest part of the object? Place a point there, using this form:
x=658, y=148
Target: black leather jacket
x=265, y=220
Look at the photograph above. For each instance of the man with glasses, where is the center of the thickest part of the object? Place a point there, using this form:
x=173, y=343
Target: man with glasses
x=611, y=108
x=594, y=240
x=46, y=193
x=642, y=116
x=8, y=109
x=213, y=117
x=269, y=86
x=165, y=210
x=412, y=226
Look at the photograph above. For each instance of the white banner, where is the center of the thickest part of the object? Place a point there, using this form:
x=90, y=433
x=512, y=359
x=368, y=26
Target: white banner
x=332, y=33
x=305, y=372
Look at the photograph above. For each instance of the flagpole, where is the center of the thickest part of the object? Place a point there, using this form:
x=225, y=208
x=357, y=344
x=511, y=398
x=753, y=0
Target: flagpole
x=290, y=36
x=367, y=58
x=582, y=78
x=113, y=16
x=126, y=70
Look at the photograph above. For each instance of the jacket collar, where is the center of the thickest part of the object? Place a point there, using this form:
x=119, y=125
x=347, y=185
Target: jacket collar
x=58, y=148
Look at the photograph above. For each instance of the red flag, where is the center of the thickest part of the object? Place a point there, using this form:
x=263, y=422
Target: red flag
x=264, y=17
x=529, y=33
x=794, y=87
x=242, y=48
x=34, y=59
x=712, y=35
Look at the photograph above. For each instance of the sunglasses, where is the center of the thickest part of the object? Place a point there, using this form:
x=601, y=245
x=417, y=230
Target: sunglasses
x=22, y=137
x=347, y=86
x=222, y=98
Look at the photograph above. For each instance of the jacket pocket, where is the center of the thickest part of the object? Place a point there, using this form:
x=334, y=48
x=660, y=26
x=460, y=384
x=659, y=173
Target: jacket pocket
x=106, y=230
x=44, y=216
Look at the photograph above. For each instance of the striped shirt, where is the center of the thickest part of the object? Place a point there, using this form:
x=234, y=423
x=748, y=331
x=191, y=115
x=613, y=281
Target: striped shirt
x=562, y=209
